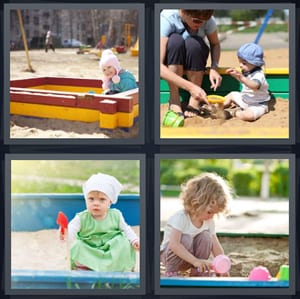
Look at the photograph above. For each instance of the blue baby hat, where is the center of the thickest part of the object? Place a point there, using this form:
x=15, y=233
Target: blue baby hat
x=252, y=53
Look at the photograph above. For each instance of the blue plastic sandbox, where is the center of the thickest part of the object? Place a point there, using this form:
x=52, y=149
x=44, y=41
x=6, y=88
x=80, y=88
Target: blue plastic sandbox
x=31, y=212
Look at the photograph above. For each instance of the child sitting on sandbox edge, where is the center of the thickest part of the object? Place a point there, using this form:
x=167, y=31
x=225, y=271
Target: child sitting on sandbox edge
x=189, y=236
x=116, y=79
x=99, y=237
x=253, y=100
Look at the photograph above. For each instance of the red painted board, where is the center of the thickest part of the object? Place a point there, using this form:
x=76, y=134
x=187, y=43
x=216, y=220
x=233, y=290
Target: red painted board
x=124, y=104
x=108, y=106
x=88, y=101
x=56, y=81
x=28, y=82
x=75, y=82
x=45, y=99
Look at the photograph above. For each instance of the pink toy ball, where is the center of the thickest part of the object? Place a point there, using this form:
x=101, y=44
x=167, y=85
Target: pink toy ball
x=260, y=273
x=221, y=264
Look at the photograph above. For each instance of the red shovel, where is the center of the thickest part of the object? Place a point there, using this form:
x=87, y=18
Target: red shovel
x=62, y=221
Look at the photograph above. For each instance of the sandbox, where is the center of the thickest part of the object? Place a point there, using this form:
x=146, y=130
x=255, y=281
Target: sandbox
x=73, y=99
x=273, y=125
x=34, y=221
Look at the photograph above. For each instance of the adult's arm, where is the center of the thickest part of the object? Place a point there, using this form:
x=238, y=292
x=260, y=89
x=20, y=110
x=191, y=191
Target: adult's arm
x=215, y=53
x=196, y=91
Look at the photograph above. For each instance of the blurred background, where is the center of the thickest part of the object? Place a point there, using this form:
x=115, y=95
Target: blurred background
x=260, y=187
x=67, y=176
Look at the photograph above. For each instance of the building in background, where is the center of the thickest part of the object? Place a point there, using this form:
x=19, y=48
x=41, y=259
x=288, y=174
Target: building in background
x=86, y=26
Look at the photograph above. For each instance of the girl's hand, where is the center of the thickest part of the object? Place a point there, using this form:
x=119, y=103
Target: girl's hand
x=136, y=245
x=215, y=79
x=203, y=265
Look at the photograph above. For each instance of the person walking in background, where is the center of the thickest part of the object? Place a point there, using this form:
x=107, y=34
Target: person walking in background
x=49, y=42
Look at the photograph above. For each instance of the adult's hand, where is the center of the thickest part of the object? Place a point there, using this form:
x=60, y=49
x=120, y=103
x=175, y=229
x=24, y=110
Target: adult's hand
x=215, y=79
x=198, y=93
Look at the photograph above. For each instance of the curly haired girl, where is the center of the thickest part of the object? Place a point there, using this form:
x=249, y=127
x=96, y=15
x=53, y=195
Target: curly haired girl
x=189, y=236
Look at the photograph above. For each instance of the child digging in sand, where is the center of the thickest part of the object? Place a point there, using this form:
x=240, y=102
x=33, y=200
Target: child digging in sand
x=252, y=100
x=99, y=237
x=189, y=236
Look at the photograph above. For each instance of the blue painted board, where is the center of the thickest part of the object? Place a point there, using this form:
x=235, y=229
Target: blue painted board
x=31, y=212
x=220, y=282
x=35, y=279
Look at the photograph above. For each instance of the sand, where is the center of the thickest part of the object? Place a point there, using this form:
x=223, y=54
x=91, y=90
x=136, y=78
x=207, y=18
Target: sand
x=245, y=253
x=66, y=63
x=254, y=233
x=274, y=124
x=43, y=250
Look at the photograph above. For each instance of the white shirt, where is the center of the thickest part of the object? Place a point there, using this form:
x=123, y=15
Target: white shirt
x=182, y=222
x=260, y=95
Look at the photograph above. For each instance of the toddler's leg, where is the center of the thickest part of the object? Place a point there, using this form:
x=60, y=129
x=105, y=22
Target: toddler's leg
x=228, y=100
x=173, y=262
x=202, y=248
x=246, y=115
x=252, y=113
x=202, y=245
x=79, y=266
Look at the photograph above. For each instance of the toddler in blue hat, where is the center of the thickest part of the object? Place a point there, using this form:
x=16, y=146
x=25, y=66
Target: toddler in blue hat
x=252, y=100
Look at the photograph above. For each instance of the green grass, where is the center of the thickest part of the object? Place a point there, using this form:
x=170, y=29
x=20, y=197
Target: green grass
x=170, y=193
x=45, y=187
x=67, y=176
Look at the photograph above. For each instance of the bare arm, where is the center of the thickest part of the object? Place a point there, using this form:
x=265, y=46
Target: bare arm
x=252, y=84
x=215, y=47
x=177, y=247
x=130, y=234
x=215, y=53
x=217, y=248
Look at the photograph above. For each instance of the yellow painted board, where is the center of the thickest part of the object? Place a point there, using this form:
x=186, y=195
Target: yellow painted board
x=56, y=112
x=219, y=132
x=125, y=120
x=276, y=71
x=68, y=88
x=135, y=110
x=108, y=121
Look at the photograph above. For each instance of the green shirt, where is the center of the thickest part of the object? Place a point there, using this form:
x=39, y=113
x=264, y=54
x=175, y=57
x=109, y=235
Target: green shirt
x=101, y=245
